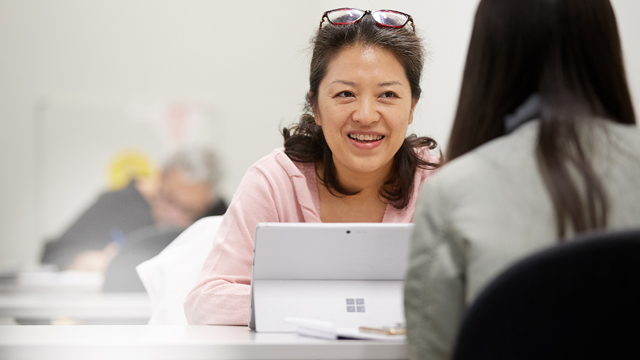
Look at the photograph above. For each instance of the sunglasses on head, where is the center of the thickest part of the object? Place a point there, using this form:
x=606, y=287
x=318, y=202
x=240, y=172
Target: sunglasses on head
x=385, y=18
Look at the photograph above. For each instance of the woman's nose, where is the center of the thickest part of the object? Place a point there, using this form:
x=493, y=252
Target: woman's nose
x=366, y=113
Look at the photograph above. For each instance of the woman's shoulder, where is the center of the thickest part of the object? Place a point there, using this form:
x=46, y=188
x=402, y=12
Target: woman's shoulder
x=268, y=160
x=483, y=168
x=280, y=180
x=277, y=161
x=624, y=132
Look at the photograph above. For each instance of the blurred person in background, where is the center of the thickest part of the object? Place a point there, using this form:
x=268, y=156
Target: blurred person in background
x=144, y=210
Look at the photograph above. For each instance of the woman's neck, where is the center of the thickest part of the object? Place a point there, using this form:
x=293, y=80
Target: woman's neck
x=370, y=182
x=365, y=206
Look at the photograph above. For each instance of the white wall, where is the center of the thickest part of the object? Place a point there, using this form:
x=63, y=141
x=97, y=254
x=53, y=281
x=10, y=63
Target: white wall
x=248, y=59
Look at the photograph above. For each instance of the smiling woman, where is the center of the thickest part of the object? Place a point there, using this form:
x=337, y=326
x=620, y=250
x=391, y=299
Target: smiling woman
x=348, y=159
x=364, y=107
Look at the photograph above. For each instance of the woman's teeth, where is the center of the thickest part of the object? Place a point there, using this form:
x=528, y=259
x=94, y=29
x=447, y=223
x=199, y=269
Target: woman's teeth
x=361, y=137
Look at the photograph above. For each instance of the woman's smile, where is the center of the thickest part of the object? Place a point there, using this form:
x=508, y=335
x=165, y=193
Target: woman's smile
x=364, y=140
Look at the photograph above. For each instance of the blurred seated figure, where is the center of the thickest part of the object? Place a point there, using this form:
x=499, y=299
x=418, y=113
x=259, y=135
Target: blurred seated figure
x=142, y=245
x=184, y=192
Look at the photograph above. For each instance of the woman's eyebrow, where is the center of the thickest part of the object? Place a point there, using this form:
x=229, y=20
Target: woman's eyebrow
x=350, y=83
x=389, y=83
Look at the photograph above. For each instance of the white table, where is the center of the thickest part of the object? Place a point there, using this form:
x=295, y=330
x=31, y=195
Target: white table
x=52, y=281
x=142, y=342
x=134, y=307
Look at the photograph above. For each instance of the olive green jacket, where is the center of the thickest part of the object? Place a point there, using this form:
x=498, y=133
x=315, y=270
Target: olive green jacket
x=485, y=210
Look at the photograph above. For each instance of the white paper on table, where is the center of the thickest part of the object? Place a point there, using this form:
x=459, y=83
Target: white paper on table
x=325, y=330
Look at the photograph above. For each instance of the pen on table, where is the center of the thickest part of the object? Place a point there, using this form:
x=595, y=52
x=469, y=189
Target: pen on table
x=387, y=330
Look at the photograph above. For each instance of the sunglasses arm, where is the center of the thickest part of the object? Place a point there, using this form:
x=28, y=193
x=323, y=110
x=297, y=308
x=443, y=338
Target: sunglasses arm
x=322, y=20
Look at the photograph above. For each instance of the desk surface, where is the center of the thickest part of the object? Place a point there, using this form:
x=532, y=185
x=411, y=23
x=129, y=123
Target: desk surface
x=76, y=305
x=142, y=342
x=51, y=281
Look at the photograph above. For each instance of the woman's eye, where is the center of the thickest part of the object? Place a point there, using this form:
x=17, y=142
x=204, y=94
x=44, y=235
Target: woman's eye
x=389, y=94
x=344, y=94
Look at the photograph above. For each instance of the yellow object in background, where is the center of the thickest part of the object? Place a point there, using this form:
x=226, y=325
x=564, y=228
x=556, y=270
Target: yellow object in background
x=127, y=166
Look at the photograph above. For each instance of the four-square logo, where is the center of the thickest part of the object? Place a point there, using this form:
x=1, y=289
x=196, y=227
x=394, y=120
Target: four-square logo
x=355, y=305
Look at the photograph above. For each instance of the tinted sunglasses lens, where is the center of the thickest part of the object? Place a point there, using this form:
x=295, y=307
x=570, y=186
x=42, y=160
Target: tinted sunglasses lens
x=344, y=16
x=390, y=18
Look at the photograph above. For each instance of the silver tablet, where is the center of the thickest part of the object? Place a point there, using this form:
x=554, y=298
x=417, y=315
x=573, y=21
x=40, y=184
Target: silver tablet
x=348, y=273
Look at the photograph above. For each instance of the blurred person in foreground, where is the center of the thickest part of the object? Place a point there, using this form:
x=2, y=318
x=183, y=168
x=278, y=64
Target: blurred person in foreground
x=143, y=211
x=544, y=145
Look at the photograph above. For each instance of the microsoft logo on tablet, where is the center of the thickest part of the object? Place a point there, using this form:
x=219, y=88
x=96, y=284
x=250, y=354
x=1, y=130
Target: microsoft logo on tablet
x=355, y=305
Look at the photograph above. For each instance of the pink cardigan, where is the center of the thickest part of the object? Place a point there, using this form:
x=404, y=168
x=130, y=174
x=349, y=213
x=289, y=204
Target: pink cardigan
x=274, y=189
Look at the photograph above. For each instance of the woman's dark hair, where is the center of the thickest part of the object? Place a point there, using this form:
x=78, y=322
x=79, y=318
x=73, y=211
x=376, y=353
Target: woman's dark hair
x=569, y=53
x=305, y=142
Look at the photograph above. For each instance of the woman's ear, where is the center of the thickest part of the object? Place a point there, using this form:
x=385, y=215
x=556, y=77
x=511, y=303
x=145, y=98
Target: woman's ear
x=314, y=108
x=414, y=102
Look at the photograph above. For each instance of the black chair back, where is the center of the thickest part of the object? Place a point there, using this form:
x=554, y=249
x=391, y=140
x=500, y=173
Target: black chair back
x=577, y=300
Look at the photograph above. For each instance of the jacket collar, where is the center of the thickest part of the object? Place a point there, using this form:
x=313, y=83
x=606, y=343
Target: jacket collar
x=529, y=110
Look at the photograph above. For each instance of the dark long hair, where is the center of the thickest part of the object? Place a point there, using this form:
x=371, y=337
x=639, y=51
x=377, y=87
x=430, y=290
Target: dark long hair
x=305, y=142
x=567, y=51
